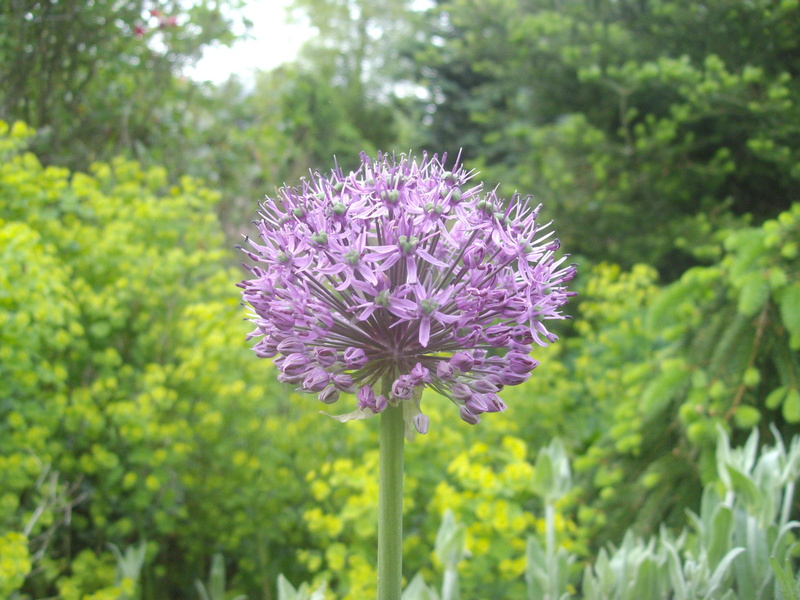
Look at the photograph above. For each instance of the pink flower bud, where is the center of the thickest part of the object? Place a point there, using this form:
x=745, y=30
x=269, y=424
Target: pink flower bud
x=469, y=417
x=294, y=364
x=329, y=395
x=462, y=361
x=354, y=358
x=316, y=380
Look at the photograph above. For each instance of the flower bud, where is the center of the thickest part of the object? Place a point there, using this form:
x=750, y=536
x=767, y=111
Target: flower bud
x=477, y=404
x=343, y=382
x=509, y=377
x=325, y=356
x=420, y=375
x=521, y=363
x=316, y=380
x=421, y=423
x=513, y=308
x=469, y=417
x=329, y=395
x=494, y=403
x=519, y=347
x=444, y=370
x=291, y=345
x=497, y=299
x=354, y=358
x=474, y=255
x=497, y=335
x=462, y=361
x=461, y=391
x=484, y=386
x=403, y=388
x=290, y=379
x=366, y=398
x=293, y=365
x=283, y=320
x=468, y=335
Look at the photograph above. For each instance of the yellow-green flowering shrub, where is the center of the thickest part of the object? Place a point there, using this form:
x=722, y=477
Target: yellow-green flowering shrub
x=484, y=474
x=92, y=577
x=639, y=393
x=130, y=405
x=489, y=487
x=132, y=409
x=15, y=562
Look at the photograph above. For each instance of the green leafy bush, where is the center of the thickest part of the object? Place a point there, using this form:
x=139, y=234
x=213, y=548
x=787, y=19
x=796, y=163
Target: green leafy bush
x=125, y=412
x=132, y=411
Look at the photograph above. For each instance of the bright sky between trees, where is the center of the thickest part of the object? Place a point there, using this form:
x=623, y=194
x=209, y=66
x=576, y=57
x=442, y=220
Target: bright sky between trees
x=272, y=41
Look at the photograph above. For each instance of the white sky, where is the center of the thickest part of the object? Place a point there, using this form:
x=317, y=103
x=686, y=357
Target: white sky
x=271, y=42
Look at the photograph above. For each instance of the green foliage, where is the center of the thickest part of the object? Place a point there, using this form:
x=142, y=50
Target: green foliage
x=619, y=118
x=653, y=373
x=92, y=577
x=356, y=54
x=102, y=78
x=215, y=589
x=726, y=552
x=131, y=409
x=738, y=546
x=488, y=486
x=789, y=587
x=15, y=562
x=450, y=550
x=124, y=409
x=287, y=592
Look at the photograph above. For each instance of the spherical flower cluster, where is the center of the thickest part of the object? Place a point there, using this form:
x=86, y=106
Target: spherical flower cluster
x=400, y=276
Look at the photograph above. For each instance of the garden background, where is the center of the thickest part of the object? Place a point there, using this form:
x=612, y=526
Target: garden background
x=140, y=437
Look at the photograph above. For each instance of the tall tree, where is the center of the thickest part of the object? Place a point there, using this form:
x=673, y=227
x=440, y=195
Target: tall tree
x=359, y=50
x=104, y=77
x=619, y=115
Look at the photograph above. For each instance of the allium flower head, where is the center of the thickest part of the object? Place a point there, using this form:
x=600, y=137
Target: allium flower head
x=400, y=276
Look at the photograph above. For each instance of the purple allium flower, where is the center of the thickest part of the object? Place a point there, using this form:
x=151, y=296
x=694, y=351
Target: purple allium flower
x=400, y=276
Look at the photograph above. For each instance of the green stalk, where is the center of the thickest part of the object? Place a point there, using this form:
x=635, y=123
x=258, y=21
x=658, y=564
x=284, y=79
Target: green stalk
x=390, y=504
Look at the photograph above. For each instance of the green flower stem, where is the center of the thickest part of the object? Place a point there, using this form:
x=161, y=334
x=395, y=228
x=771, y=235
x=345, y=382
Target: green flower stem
x=390, y=504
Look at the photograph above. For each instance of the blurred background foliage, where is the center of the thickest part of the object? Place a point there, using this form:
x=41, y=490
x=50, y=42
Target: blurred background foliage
x=141, y=441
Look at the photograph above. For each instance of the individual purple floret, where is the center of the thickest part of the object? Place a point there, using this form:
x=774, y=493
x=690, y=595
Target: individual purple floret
x=400, y=276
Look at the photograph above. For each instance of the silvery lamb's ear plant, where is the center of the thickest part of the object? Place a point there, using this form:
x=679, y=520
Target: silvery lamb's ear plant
x=129, y=568
x=450, y=549
x=703, y=576
x=759, y=489
x=286, y=591
x=417, y=589
x=788, y=585
x=737, y=548
x=547, y=569
x=215, y=588
x=635, y=570
x=668, y=567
